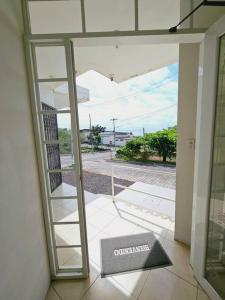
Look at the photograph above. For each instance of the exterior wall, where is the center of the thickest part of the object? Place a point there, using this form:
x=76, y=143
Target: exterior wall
x=120, y=140
x=187, y=101
x=23, y=254
x=107, y=140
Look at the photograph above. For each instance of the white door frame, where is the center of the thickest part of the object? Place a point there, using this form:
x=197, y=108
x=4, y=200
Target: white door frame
x=40, y=142
x=207, y=89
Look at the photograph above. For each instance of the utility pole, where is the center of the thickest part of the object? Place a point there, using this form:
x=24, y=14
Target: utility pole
x=90, y=126
x=114, y=131
x=143, y=132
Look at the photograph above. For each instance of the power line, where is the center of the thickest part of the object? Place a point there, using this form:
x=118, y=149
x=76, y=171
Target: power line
x=149, y=113
x=143, y=115
x=154, y=86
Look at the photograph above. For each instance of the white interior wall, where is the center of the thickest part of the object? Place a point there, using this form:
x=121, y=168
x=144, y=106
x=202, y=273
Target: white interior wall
x=23, y=254
x=187, y=101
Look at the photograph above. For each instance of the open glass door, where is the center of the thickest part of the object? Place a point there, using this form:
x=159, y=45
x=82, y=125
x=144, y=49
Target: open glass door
x=51, y=70
x=208, y=231
x=215, y=255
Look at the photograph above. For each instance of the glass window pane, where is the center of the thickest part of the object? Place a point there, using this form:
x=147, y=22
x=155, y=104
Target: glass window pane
x=67, y=234
x=55, y=16
x=57, y=126
x=64, y=210
x=51, y=62
x=60, y=156
x=54, y=95
x=108, y=15
x=158, y=14
x=215, y=258
x=69, y=258
x=62, y=184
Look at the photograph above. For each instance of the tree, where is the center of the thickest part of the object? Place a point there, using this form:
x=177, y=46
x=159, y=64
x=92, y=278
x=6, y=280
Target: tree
x=94, y=136
x=65, y=140
x=135, y=148
x=163, y=142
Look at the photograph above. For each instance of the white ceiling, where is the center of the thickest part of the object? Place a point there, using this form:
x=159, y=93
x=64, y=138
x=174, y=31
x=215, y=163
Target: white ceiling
x=124, y=62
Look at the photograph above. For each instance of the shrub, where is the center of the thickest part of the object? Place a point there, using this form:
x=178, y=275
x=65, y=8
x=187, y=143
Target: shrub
x=162, y=143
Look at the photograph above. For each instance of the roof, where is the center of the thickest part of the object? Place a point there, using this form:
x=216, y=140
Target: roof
x=117, y=133
x=85, y=130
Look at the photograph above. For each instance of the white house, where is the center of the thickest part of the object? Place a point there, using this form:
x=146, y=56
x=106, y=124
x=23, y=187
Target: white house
x=84, y=133
x=107, y=138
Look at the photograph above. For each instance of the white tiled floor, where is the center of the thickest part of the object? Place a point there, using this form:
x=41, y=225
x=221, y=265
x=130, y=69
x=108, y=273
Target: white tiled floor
x=106, y=219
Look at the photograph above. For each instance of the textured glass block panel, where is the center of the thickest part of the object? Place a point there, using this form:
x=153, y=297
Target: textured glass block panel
x=56, y=126
x=62, y=184
x=59, y=156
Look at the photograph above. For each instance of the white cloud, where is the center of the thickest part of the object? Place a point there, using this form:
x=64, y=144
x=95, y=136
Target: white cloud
x=148, y=101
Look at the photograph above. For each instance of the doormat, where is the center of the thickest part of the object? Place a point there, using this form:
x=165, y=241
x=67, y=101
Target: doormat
x=132, y=253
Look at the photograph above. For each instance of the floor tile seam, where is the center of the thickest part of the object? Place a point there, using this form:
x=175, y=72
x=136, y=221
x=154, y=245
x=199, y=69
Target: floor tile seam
x=97, y=277
x=179, y=276
x=58, y=294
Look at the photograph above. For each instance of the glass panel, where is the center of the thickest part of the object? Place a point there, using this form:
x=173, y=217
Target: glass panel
x=60, y=156
x=55, y=95
x=158, y=14
x=55, y=16
x=108, y=15
x=64, y=210
x=57, y=126
x=215, y=258
x=51, y=62
x=67, y=234
x=62, y=184
x=69, y=258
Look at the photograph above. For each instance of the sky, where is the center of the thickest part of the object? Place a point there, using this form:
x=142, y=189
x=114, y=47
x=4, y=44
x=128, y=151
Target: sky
x=148, y=101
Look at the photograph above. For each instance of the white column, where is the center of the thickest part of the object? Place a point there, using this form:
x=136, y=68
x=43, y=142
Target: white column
x=187, y=102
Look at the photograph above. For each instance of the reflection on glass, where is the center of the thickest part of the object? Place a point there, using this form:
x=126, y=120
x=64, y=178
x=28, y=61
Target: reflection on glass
x=215, y=258
x=57, y=127
x=55, y=16
x=59, y=156
x=47, y=57
x=67, y=235
x=69, y=258
x=62, y=184
x=64, y=210
x=55, y=95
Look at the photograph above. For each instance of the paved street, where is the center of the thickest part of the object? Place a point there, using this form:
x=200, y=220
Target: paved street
x=101, y=163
